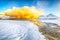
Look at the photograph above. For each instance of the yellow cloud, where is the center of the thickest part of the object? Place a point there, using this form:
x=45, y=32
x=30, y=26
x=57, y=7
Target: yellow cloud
x=24, y=12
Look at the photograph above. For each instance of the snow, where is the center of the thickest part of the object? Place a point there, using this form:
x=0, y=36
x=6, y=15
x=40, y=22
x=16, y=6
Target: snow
x=19, y=30
x=57, y=21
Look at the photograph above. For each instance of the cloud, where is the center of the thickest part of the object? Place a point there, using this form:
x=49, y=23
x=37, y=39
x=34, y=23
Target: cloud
x=42, y=4
x=58, y=5
x=25, y=12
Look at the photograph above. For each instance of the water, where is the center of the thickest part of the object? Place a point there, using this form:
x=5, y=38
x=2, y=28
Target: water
x=19, y=30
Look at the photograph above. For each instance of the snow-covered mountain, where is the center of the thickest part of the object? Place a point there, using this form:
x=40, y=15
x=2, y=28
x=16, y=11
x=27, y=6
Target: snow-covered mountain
x=19, y=30
x=48, y=17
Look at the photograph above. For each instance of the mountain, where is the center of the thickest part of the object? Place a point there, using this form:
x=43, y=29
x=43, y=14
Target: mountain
x=52, y=16
x=49, y=17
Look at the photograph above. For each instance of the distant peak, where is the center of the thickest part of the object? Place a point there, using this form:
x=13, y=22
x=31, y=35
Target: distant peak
x=51, y=15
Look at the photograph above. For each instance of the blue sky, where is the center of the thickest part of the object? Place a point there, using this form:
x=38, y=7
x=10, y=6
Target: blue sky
x=48, y=6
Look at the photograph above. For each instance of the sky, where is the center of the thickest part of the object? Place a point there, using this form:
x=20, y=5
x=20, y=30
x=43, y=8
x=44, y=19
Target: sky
x=48, y=6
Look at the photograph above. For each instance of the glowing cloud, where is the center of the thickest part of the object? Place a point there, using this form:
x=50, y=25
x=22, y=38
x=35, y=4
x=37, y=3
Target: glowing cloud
x=23, y=12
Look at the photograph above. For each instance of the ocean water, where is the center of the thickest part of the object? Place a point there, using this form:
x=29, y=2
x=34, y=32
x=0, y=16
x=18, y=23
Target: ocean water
x=19, y=30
